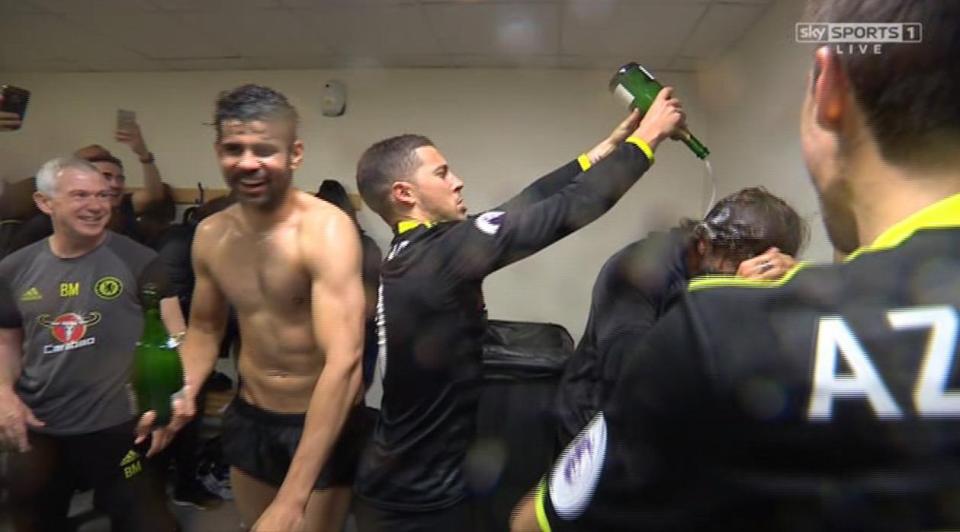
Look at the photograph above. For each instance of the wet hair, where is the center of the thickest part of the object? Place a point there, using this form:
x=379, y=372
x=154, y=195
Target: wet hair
x=332, y=191
x=749, y=222
x=909, y=92
x=49, y=174
x=385, y=163
x=250, y=102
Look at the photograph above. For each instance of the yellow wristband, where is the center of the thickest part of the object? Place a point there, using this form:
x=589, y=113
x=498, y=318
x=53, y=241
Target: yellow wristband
x=644, y=147
x=541, y=511
x=584, y=161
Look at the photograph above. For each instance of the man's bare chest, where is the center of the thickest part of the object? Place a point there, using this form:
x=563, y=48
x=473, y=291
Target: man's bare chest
x=262, y=274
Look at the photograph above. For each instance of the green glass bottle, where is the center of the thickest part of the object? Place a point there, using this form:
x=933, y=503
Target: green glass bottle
x=157, y=372
x=638, y=88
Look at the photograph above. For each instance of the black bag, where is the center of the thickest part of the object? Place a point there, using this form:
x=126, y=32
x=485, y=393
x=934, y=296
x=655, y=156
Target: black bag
x=516, y=425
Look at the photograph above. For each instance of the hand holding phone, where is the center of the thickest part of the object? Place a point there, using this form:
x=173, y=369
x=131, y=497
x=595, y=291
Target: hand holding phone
x=13, y=106
x=128, y=132
x=126, y=120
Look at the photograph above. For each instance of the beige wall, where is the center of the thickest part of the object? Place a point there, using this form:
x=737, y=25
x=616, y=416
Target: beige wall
x=752, y=97
x=498, y=128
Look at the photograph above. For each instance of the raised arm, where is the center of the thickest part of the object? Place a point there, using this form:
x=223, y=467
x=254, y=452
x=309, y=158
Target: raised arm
x=152, y=182
x=496, y=239
x=331, y=248
x=555, y=181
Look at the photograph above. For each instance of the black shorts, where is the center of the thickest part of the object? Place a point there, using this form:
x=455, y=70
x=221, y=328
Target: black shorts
x=41, y=482
x=459, y=517
x=262, y=443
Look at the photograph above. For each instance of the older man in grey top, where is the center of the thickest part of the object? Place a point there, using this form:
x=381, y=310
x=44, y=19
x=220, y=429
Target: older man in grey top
x=70, y=317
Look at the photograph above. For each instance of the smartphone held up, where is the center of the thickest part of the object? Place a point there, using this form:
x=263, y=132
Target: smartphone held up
x=126, y=120
x=13, y=107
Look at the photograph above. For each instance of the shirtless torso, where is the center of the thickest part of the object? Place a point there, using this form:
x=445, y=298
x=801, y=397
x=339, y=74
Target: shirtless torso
x=264, y=275
x=295, y=285
x=289, y=264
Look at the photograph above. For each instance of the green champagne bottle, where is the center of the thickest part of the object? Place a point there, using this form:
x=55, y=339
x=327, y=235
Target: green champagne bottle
x=638, y=88
x=157, y=373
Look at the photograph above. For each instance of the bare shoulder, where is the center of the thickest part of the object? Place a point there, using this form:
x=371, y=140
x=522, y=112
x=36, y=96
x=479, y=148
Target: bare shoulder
x=325, y=233
x=319, y=217
x=213, y=228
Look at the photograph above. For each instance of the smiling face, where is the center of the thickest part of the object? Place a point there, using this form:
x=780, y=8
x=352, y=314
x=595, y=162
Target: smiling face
x=257, y=159
x=438, y=191
x=115, y=178
x=80, y=204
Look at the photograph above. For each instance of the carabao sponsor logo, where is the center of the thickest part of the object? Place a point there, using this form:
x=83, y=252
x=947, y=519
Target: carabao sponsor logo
x=70, y=330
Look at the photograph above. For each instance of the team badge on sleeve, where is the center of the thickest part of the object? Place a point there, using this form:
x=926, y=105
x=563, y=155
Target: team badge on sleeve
x=575, y=475
x=489, y=222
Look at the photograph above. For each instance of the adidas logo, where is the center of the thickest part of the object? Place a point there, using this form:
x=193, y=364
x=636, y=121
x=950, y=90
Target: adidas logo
x=130, y=458
x=31, y=295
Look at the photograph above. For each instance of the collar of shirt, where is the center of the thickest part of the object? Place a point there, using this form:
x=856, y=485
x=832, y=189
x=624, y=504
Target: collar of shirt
x=409, y=225
x=942, y=214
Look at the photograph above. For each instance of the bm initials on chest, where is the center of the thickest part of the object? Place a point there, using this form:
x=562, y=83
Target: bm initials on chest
x=69, y=289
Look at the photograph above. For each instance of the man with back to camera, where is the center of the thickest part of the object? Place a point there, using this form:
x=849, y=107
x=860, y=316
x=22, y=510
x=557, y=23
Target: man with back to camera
x=70, y=318
x=826, y=400
x=751, y=233
x=289, y=264
x=431, y=313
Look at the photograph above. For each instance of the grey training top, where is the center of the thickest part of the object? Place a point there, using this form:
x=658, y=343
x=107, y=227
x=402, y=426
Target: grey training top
x=81, y=319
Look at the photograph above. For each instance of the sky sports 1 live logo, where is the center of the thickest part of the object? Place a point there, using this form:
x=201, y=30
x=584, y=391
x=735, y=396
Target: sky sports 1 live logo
x=848, y=38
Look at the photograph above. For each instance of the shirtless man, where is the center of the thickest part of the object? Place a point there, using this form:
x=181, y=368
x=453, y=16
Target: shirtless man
x=290, y=265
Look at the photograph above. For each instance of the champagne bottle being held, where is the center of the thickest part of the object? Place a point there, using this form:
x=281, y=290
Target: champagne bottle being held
x=157, y=372
x=638, y=88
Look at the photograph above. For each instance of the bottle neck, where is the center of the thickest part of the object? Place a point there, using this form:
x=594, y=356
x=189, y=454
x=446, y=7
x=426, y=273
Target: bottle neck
x=153, y=330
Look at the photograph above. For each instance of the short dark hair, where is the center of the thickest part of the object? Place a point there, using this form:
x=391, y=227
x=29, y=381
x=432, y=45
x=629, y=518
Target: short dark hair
x=385, y=163
x=250, y=102
x=909, y=92
x=749, y=222
x=104, y=159
x=333, y=191
x=96, y=153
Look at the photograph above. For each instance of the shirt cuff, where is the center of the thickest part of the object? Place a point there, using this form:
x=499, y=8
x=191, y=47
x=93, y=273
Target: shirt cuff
x=584, y=161
x=644, y=147
x=540, y=508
